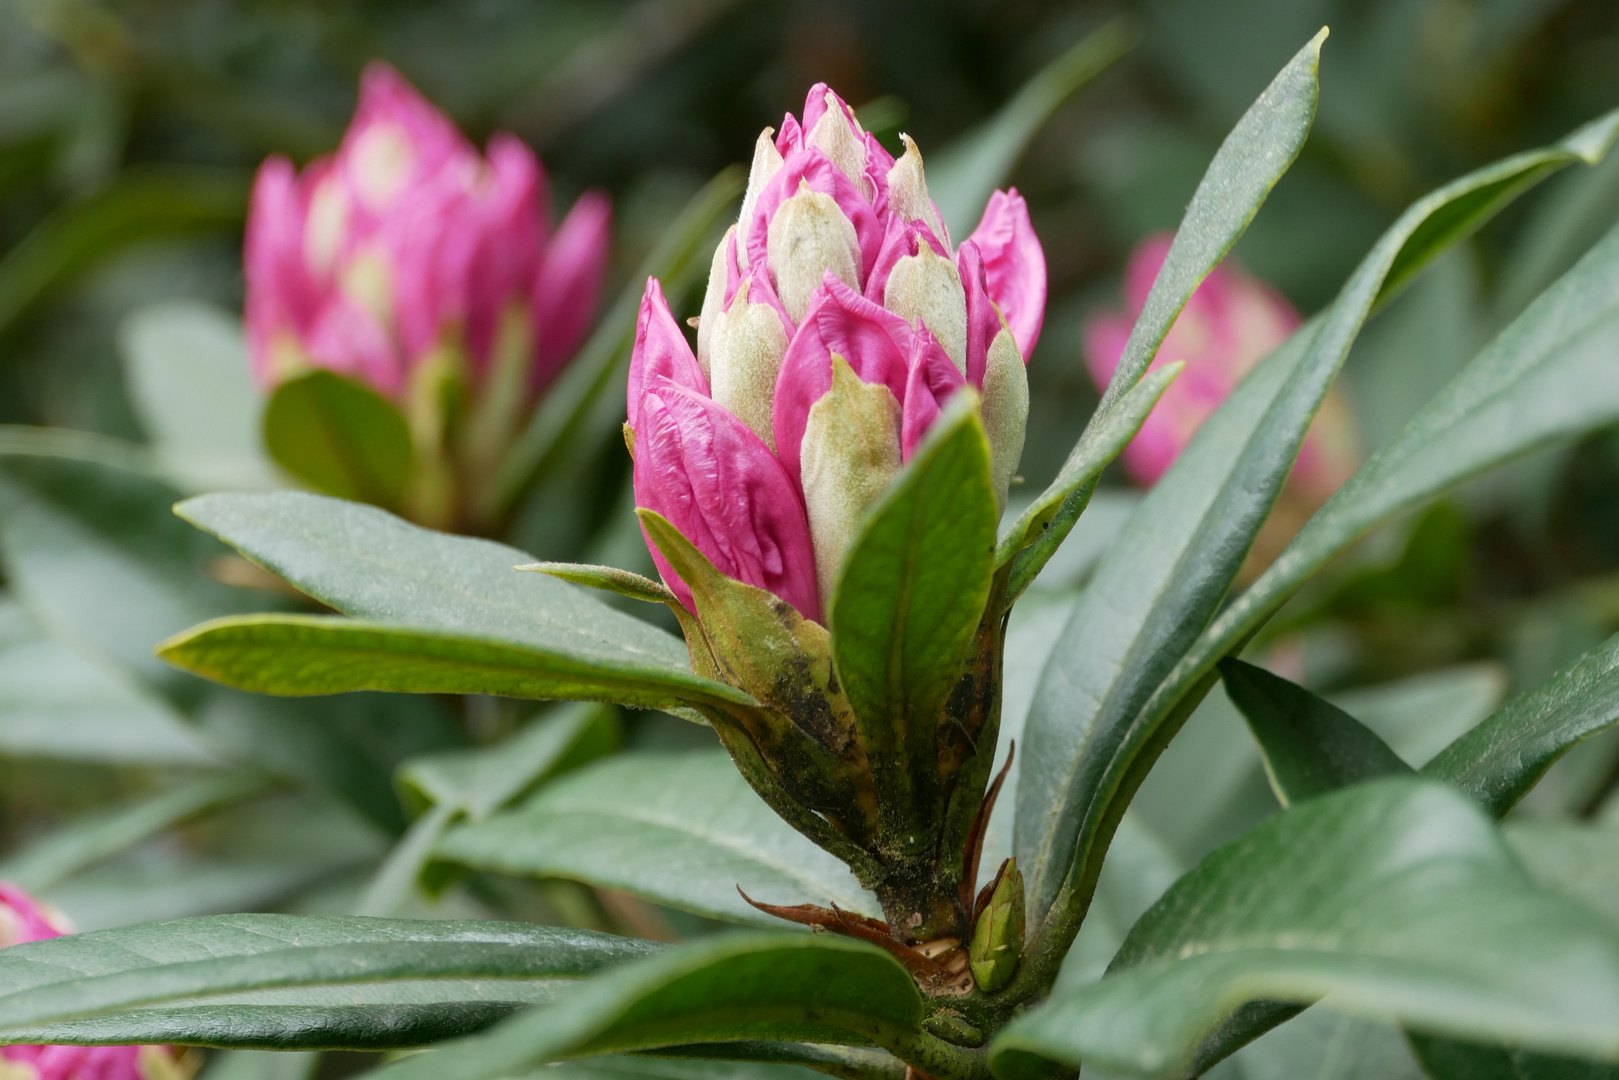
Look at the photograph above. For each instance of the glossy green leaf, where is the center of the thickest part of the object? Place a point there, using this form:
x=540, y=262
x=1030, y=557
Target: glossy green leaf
x=339, y=436
x=297, y=655
x=74, y=847
x=478, y=781
x=963, y=174
x=369, y=564
x=1576, y=858
x=1250, y=161
x=805, y=987
x=186, y=369
x=579, y=405
x=1132, y=655
x=1310, y=746
x=1504, y=756
x=292, y=982
x=910, y=596
x=1377, y=898
x=679, y=829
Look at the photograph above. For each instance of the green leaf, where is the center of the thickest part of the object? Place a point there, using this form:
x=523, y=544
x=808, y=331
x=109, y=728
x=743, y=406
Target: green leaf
x=369, y=564
x=1248, y=164
x=1396, y=899
x=909, y=597
x=608, y=579
x=1131, y=654
x=291, y=982
x=1321, y=1045
x=297, y=655
x=1574, y=858
x=577, y=407
x=679, y=829
x=65, y=852
x=805, y=987
x=339, y=436
x=1310, y=746
x=481, y=780
x=141, y=204
x=1447, y=1059
x=650, y=1068
x=92, y=550
x=1503, y=757
x=186, y=369
x=964, y=174
x=58, y=703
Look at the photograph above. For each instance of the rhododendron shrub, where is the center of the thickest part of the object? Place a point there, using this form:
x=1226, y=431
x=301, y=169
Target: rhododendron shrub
x=425, y=271
x=821, y=475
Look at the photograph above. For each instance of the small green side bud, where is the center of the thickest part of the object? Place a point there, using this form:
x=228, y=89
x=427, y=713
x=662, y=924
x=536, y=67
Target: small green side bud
x=1006, y=410
x=850, y=453
x=998, y=938
x=810, y=235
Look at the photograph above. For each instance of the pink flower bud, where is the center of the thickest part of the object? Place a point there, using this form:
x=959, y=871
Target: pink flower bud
x=1231, y=323
x=840, y=248
x=24, y=919
x=408, y=240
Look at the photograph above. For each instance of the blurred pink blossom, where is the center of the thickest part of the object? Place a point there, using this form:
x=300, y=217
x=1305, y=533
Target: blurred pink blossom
x=24, y=919
x=838, y=256
x=1231, y=323
x=406, y=240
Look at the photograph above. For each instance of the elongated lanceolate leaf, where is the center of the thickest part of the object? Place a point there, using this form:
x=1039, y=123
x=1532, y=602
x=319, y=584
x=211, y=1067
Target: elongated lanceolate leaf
x=315, y=654
x=962, y=175
x=369, y=564
x=1127, y=670
x=1310, y=746
x=1375, y=898
x=291, y=982
x=1248, y=164
x=909, y=597
x=679, y=829
x=1501, y=759
x=804, y=987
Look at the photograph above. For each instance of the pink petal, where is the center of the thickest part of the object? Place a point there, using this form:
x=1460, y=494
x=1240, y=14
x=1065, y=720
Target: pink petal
x=931, y=381
x=875, y=342
x=901, y=238
x=281, y=295
x=348, y=340
x=717, y=482
x=660, y=351
x=1142, y=270
x=1103, y=343
x=790, y=137
x=814, y=168
x=1014, y=265
x=505, y=227
x=983, y=322
x=390, y=104
x=569, y=285
x=23, y=919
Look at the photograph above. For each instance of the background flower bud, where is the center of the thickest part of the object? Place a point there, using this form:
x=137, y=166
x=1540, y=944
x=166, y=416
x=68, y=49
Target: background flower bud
x=1231, y=323
x=24, y=919
x=408, y=241
x=850, y=453
x=810, y=237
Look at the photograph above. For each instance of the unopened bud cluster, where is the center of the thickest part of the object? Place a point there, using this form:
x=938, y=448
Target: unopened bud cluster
x=838, y=321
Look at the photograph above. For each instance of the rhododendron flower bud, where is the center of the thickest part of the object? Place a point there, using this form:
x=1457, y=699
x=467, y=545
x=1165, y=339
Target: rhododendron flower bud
x=406, y=242
x=1231, y=323
x=24, y=919
x=838, y=323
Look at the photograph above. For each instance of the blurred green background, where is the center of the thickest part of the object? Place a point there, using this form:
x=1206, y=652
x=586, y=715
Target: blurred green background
x=129, y=132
